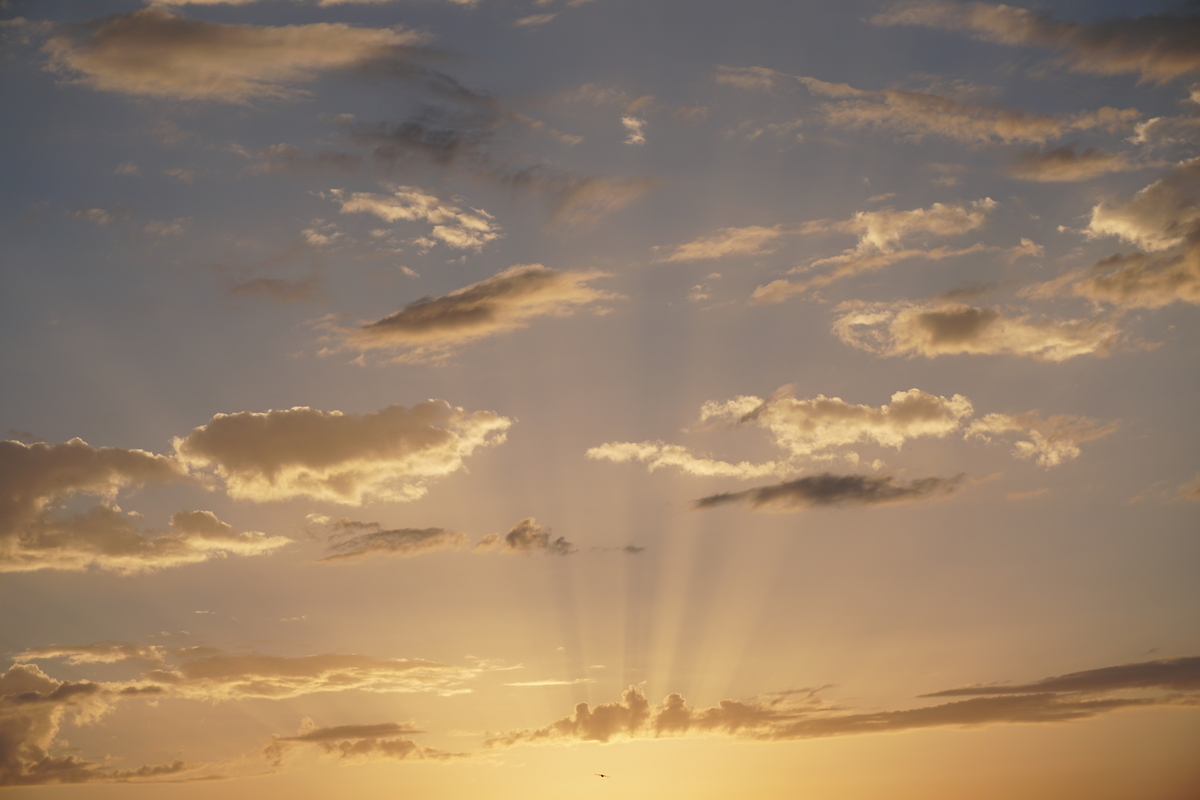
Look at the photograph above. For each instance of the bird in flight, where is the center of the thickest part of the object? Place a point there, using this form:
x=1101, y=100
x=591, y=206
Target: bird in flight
x=601, y=774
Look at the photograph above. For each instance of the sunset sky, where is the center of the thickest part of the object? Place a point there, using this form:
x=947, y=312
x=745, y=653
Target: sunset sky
x=475, y=398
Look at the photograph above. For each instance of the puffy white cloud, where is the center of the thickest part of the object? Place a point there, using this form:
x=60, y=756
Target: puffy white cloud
x=156, y=53
x=340, y=457
x=934, y=329
x=431, y=329
x=526, y=537
x=1158, y=47
x=451, y=224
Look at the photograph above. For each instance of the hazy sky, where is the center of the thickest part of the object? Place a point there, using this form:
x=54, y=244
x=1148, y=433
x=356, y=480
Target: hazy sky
x=471, y=398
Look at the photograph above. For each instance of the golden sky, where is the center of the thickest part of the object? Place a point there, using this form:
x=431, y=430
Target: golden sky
x=593, y=398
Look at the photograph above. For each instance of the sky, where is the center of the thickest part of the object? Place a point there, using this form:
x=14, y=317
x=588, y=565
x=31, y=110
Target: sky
x=593, y=398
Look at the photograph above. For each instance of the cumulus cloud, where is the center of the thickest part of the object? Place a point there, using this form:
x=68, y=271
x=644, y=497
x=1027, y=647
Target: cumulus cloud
x=431, y=329
x=1157, y=47
x=33, y=708
x=1163, y=221
x=827, y=489
x=353, y=540
x=823, y=428
x=933, y=329
x=355, y=742
x=1077, y=696
x=526, y=537
x=451, y=225
x=1051, y=440
x=155, y=53
x=36, y=533
x=340, y=457
x=1063, y=164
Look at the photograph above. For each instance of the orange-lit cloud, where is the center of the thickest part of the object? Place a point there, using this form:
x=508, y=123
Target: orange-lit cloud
x=431, y=329
x=526, y=537
x=451, y=224
x=340, y=457
x=947, y=328
x=155, y=53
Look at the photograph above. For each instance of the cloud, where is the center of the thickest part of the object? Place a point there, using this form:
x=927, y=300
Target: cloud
x=526, y=537
x=934, y=329
x=635, y=127
x=657, y=454
x=880, y=233
x=780, y=717
x=33, y=707
x=822, y=428
x=35, y=533
x=749, y=241
x=1063, y=164
x=1051, y=440
x=827, y=489
x=153, y=52
x=1163, y=220
x=431, y=329
x=355, y=742
x=338, y=457
x=806, y=430
x=451, y=224
x=915, y=115
x=534, y=19
x=1158, y=47
x=285, y=157
x=211, y=675
x=279, y=290
x=809, y=427
x=353, y=540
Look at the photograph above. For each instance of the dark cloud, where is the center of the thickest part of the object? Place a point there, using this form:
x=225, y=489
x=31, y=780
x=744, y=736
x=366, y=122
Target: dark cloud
x=828, y=489
x=1177, y=674
x=526, y=537
x=1157, y=47
x=356, y=742
x=352, y=540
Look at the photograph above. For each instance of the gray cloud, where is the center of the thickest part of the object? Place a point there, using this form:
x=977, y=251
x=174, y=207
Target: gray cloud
x=827, y=489
x=279, y=290
x=384, y=740
x=1157, y=47
x=340, y=457
x=779, y=717
x=432, y=329
x=156, y=53
x=526, y=537
x=353, y=540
